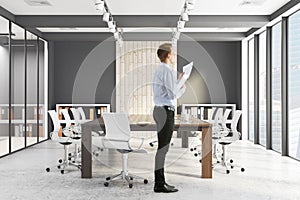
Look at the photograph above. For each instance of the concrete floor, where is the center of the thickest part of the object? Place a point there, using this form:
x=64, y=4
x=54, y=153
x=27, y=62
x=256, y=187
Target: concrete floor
x=268, y=176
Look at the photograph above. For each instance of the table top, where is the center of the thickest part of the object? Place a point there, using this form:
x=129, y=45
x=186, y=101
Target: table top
x=146, y=122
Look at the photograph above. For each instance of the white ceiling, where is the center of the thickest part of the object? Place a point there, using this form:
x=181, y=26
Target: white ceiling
x=145, y=7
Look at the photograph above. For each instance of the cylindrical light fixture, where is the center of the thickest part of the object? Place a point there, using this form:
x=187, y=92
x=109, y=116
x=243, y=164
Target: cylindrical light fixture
x=106, y=16
x=191, y=1
x=99, y=4
x=180, y=24
x=189, y=6
x=185, y=16
x=176, y=35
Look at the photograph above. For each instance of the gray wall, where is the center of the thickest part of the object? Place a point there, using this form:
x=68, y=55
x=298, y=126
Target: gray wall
x=216, y=77
x=217, y=66
x=91, y=64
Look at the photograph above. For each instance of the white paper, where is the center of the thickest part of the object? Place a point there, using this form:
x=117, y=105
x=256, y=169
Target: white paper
x=187, y=69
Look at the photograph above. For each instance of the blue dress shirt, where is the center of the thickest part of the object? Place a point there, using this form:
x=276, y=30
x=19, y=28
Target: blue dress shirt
x=165, y=86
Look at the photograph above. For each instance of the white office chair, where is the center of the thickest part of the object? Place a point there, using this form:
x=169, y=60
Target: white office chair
x=76, y=136
x=228, y=137
x=66, y=141
x=118, y=137
x=213, y=118
x=218, y=119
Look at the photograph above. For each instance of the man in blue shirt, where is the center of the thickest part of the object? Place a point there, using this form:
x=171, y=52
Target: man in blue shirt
x=165, y=92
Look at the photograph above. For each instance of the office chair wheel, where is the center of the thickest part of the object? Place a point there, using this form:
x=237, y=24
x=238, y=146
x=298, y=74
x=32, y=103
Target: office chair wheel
x=108, y=178
x=145, y=181
x=58, y=167
x=62, y=171
x=242, y=169
x=48, y=169
x=131, y=178
x=130, y=185
x=231, y=161
x=231, y=167
x=200, y=161
x=70, y=154
x=106, y=184
x=191, y=149
x=227, y=171
x=60, y=160
x=195, y=154
x=151, y=144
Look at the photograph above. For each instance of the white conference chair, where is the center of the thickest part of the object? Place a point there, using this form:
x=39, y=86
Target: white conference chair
x=118, y=137
x=66, y=141
x=76, y=136
x=229, y=136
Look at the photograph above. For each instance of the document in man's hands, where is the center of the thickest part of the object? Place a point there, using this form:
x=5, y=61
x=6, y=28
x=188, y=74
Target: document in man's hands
x=187, y=69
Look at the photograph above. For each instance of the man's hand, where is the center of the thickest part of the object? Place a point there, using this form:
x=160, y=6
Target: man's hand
x=181, y=75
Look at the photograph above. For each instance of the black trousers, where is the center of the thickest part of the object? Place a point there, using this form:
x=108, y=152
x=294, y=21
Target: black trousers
x=164, y=119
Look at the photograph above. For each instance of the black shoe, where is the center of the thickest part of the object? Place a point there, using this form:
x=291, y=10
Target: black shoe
x=169, y=186
x=164, y=189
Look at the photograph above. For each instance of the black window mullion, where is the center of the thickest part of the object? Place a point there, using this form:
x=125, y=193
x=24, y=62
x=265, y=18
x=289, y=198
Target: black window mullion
x=284, y=85
x=25, y=91
x=269, y=89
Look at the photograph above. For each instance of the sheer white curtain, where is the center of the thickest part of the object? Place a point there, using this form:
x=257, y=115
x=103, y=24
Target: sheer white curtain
x=135, y=64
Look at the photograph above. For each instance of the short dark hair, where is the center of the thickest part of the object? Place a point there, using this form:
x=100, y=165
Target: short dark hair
x=163, y=51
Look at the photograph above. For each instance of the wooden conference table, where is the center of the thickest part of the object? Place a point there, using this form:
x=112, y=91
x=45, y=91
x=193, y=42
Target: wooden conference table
x=146, y=123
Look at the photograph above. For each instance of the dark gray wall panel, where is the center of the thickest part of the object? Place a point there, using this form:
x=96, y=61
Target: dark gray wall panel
x=217, y=66
x=84, y=72
x=216, y=74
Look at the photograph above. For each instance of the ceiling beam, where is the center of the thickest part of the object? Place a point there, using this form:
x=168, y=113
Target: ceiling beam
x=142, y=21
x=284, y=8
x=144, y=36
x=5, y=13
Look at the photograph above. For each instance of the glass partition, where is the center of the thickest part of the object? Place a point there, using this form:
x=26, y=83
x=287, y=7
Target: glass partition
x=4, y=86
x=43, y=63
x=18, y=87
x=32, y=87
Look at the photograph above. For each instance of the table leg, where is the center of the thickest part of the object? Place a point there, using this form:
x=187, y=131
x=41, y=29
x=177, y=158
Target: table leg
x=206, y=152
x=184, y=139
x=86, y=149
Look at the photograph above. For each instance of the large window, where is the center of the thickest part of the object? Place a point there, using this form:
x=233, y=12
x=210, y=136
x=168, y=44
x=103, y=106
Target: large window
x=276, y=87
x=294, y=85
x=262, y=88
x=4, y=86
x=251, y=88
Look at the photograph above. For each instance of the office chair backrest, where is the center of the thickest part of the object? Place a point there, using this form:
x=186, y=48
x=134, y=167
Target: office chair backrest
x=225, y=117
x=117, y=126
x=67, y=117
x=218, y=116
x=210, y=117
x=55, y=120
x=235, y=120
x=83, y=117
x=76, y=115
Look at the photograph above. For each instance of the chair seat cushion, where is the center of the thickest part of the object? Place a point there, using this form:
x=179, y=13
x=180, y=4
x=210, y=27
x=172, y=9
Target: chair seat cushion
x=65, y=143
